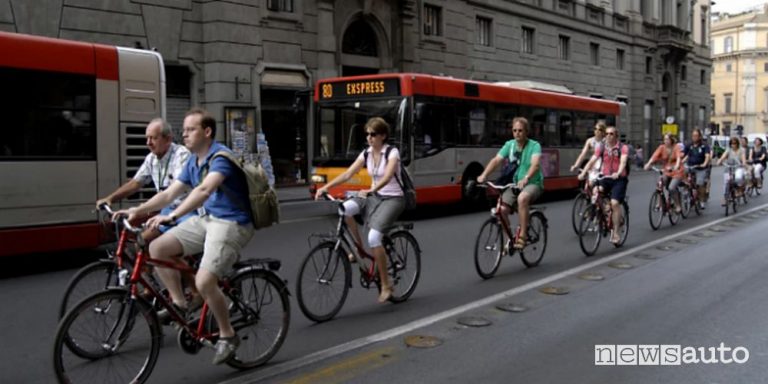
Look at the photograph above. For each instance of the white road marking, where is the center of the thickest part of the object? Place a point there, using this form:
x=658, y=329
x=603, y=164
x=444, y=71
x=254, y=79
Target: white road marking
x=291, y=365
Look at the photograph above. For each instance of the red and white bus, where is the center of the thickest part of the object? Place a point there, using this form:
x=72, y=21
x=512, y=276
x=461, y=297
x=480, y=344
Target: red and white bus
x=74, y=116
x=447, y=129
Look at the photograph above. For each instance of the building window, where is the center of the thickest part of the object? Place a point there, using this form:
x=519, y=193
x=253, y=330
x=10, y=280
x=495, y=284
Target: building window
x=432, y=20
x=564, y=47
x=728, y=45
x=703, y=27
x=683, y=73
x=728, y=97
x=765, y=67
x=280, y=5
x=712, y=103
x=528, y=36
x=703, y=77
x=648, y=65
x=594, y=53
x=483, y=27
x=620, y=59
x=728, y=67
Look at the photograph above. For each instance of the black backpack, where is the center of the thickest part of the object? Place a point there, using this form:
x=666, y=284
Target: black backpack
x=406, y=184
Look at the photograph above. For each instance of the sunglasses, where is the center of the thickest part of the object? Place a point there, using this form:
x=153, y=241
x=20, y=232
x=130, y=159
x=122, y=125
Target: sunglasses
x=371, y=134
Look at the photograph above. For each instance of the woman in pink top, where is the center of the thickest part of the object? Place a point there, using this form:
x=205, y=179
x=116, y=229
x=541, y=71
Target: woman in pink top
x=383, y=203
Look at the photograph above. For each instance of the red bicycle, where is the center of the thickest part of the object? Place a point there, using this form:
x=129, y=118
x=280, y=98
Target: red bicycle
x=597, y=222
x=490, y=245
x=662, y=204
x=115, y=335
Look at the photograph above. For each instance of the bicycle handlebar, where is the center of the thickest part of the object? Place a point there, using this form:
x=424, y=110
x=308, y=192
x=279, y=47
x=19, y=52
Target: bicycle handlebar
x=125, y=223
x=497, y=187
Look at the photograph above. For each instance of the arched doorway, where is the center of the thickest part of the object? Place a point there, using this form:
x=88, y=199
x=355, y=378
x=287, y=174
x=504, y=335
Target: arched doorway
x=360, y=49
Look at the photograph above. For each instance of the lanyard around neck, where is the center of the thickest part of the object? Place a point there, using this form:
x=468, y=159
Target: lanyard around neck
x=162, y=172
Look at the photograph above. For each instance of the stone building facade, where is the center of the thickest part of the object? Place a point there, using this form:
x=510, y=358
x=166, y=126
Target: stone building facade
x=266, y=54
x=740, y=72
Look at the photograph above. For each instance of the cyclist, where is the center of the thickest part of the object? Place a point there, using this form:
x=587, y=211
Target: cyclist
x=381, y=204
x=162, y=165
x=669, y=154
x=758, y=158
x=734, y=156
x=697, y=157
x=744, y=141
x=588, y=150
x=614, y=157
x=528, y=176
x=223, y=227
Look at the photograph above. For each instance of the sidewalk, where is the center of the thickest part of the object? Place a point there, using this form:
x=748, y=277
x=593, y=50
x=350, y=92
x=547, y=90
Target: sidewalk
x=293, y=193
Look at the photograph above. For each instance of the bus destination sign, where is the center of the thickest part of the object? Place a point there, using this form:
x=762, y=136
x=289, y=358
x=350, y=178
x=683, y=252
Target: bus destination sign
x=359, y=88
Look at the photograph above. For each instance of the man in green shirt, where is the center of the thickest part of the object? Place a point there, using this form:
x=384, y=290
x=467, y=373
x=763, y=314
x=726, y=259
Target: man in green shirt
x=528, y=176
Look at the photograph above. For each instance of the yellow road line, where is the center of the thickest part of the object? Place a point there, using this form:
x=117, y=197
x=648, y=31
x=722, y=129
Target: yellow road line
x=347, y=369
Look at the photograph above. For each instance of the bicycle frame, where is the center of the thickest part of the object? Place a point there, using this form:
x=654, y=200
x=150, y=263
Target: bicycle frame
x=347, y=243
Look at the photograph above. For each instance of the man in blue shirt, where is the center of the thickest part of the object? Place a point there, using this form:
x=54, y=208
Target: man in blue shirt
x=222, y=229
x=697, y=157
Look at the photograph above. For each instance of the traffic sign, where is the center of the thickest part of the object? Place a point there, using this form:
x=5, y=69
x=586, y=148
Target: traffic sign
x=669, y=129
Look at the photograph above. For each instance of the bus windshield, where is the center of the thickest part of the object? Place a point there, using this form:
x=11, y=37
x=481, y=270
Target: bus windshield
x=341, y=135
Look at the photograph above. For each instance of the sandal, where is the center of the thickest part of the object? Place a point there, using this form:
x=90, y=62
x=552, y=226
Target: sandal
x=386, y=294
x=520, y=243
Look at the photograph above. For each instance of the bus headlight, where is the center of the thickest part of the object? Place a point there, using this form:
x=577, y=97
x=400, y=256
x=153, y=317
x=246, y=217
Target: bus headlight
x=319, y=179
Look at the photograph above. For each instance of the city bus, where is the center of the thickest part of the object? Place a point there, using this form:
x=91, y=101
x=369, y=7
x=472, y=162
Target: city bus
x=447, y=129
x=74, y=120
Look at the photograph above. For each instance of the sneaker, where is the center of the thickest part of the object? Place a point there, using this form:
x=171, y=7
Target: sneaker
x=225, y=349
x=702, y=205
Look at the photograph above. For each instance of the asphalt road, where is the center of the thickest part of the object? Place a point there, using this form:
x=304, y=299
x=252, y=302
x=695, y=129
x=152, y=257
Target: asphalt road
x=448, y=281
x=702, y=302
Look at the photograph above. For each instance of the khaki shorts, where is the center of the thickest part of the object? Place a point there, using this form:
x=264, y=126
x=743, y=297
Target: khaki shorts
x=510, y=198
x=219, y=240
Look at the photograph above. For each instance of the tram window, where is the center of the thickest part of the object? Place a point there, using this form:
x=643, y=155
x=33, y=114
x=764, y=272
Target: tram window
x=584, y=127
x=565, y=127
x=537, y=125
x=503, y=114
x=434, y=129
x=52, y=116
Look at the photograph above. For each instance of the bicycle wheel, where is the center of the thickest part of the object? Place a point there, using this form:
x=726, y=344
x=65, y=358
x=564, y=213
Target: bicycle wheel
x=533, y=252
x=624, y=226
x=117, y=340
x=655, y=210
x=323, y=282
x=404, y=267
x=261, y=315
x=685, y=202
x=579, y=203
x=92, y=278
x=489, y=247
x=590, y=230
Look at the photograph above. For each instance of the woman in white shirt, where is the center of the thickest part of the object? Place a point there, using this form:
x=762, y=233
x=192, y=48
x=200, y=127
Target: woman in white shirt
x=383, y=203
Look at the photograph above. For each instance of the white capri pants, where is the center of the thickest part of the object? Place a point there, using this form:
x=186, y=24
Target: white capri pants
x=738, y=175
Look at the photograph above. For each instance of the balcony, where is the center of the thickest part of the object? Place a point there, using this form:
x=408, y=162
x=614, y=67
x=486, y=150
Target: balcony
x=673, y=41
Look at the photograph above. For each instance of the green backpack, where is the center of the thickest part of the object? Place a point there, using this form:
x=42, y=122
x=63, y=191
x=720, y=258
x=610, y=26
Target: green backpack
x=265, y=209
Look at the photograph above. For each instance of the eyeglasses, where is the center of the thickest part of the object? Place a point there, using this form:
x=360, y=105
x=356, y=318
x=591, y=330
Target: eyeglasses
x=371, y=134
x=517, y=130
x=611, y=133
